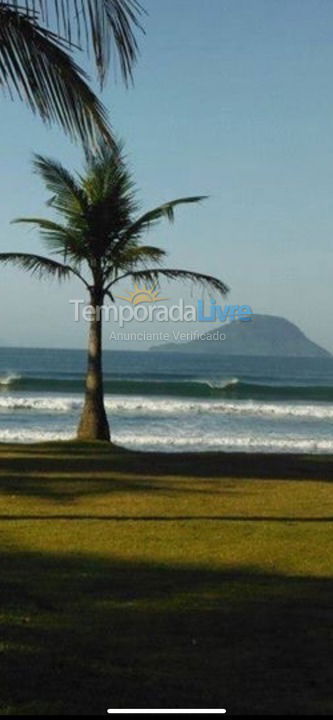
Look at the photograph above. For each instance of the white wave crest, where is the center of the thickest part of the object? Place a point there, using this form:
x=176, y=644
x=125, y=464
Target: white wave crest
x=173, y=442
x=231, y=443
x=9, y=379
x=39, y=403
x=173, y=407
x=35, y=435
x=170, y=407
x=219, y=384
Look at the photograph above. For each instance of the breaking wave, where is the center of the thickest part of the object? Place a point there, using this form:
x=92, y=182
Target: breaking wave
x=148, y=385
x=145, y=406
x=174, y=442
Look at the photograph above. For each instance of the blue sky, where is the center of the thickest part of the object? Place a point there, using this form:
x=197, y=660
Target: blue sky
x=233, y=99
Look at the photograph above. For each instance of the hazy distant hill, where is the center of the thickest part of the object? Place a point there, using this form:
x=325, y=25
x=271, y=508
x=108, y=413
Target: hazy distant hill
x=263, y=335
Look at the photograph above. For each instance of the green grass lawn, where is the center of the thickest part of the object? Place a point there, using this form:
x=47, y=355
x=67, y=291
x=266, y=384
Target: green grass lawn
x=176, y=581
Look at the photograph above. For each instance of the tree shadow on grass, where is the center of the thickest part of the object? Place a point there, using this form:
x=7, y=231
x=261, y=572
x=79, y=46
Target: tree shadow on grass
x=289, y=520
x=67, y=488
x=67, y=470
x=82, y=634
x=99, y=457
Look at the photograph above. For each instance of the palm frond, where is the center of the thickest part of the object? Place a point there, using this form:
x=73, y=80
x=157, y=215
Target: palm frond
x=107, y=27
x=98, y=228
x=43, y=224
x=35, y=67
x=37, y=264
x=150, y=218
x=142, y=254
x=59, y=239
x=165, y=211
x=68, y=197
x=131, y=257
x=109, y=188
x=107, y=177
x=152, y=275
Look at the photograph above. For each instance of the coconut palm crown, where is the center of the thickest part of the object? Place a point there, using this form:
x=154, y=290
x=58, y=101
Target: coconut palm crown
x=37, y=38
x=100, y=242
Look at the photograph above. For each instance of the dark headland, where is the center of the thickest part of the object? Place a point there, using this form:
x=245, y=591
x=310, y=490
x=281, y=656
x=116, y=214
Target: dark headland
x=266, y=335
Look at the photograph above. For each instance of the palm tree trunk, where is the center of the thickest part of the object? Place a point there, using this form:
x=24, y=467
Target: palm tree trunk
x=94, y=423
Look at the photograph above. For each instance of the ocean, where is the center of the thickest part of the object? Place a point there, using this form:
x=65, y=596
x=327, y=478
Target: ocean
x=173, y=402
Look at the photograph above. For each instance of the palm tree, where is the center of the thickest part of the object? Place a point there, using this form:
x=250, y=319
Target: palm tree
x=36, y=39
x=100, y=243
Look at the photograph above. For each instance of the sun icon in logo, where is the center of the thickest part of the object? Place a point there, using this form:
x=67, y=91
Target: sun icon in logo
x=142, y=295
